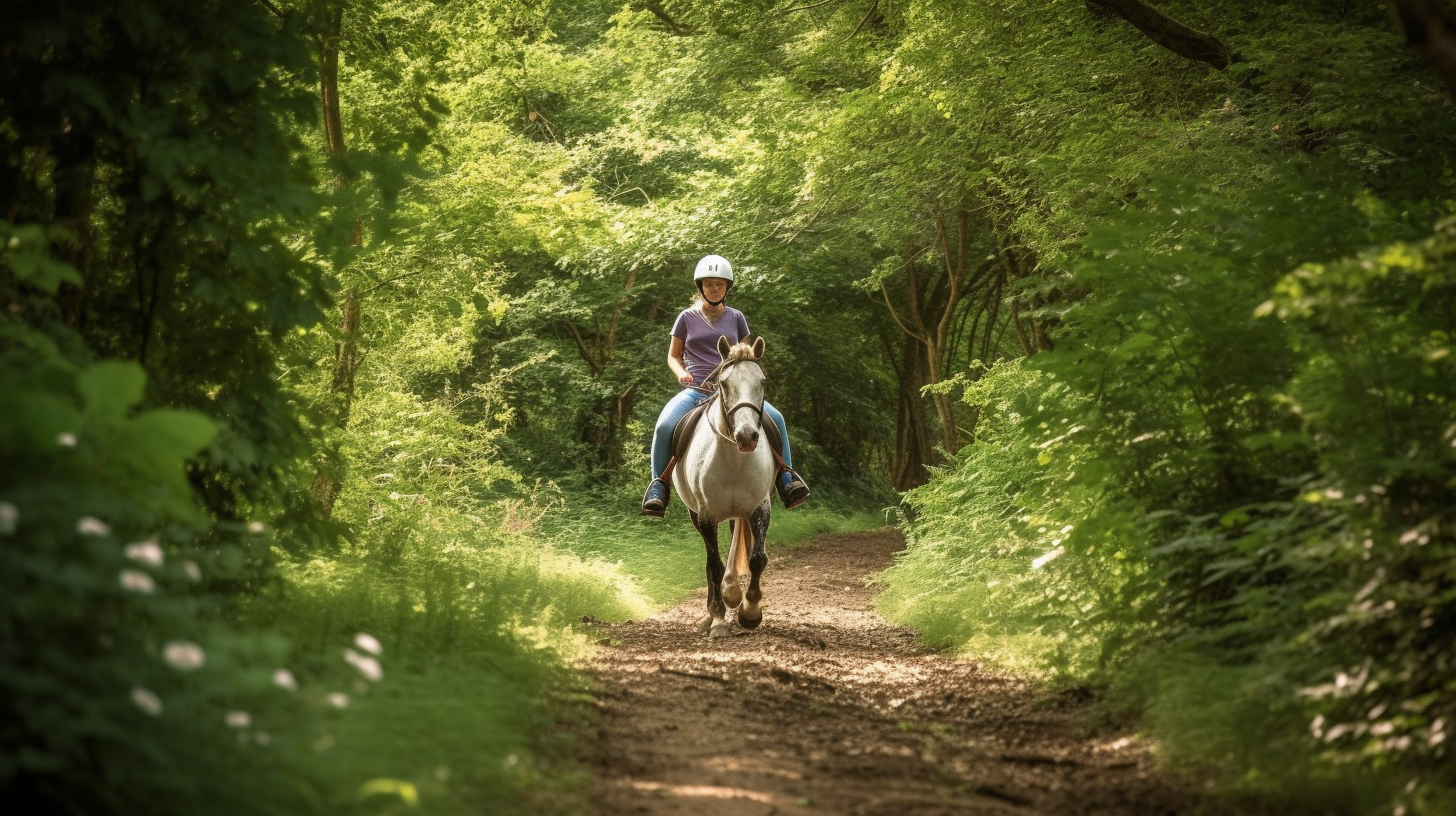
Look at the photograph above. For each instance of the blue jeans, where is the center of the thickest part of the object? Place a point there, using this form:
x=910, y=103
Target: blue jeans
x=678, y=407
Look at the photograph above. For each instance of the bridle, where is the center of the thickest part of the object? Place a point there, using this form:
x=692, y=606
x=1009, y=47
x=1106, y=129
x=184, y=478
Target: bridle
x=723, y=404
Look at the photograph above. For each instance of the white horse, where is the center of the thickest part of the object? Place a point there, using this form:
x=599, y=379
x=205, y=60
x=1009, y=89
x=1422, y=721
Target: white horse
x=726, y=474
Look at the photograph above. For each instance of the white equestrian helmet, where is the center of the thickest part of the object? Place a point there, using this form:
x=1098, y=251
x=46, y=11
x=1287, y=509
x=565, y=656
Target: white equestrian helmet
x=714, y=266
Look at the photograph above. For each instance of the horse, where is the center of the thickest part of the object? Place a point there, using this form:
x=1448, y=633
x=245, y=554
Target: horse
x=725, y=474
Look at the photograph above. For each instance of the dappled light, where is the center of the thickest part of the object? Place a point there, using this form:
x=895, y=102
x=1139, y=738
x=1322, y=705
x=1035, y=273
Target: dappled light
x=1105, y=352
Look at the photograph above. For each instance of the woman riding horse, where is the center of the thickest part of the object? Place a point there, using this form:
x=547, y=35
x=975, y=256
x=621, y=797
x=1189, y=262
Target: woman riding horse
x=694, y=355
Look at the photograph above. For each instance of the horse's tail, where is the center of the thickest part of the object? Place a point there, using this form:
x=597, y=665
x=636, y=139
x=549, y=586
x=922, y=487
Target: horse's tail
x=738, y=552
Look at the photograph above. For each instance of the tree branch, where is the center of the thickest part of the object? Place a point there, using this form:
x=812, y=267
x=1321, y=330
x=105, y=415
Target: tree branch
x=673, y=26
x=1426, y=29
x=1181, y=39
x=894, y=314
x=581, y=347
x=874, y=5
x=616, y=316
x=810, y=6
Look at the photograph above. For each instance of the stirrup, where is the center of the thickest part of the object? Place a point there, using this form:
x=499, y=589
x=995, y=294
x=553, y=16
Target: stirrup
x=654, y=502
x=792, y=490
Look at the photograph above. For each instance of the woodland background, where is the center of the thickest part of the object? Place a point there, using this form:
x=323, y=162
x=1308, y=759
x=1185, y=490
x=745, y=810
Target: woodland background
x=327, y=319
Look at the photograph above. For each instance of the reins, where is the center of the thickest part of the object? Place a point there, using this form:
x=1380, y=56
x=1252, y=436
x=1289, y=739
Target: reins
x=710, y=383
x=718, y=395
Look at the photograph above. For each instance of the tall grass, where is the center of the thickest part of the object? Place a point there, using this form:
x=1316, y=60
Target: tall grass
x=662, y=559
x=480, y=614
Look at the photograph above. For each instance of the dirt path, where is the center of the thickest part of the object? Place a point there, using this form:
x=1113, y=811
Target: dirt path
x=828, y=708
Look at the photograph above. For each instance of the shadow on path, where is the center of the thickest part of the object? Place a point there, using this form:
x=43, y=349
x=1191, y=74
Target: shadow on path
x=828, y=708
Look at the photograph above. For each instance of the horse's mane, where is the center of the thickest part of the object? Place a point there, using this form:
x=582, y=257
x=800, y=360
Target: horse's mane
x=740, y=351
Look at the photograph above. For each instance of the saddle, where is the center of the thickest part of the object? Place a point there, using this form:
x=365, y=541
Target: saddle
x=682, y=436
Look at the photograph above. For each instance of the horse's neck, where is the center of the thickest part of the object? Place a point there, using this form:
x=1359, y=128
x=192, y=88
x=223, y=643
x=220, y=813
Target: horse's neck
x=717, y=423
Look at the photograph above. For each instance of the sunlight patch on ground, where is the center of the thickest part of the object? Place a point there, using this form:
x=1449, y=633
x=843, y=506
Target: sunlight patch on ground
x=703, y=791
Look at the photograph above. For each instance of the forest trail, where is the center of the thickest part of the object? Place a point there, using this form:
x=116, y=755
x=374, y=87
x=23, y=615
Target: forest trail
x=830, y=709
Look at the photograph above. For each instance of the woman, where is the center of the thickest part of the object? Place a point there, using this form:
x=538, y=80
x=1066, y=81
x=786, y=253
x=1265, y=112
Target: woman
x=692, y=357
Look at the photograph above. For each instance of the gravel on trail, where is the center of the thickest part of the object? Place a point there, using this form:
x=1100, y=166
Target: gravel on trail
x=827, y=708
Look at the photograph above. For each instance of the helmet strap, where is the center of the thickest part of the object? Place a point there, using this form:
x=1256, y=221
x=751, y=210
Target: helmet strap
x=719, y=301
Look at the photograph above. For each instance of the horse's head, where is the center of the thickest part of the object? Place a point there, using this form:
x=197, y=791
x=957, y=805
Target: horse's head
x=740, y=387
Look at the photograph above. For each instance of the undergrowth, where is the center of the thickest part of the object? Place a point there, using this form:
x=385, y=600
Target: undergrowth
x=663, y=558
x=1248, y=543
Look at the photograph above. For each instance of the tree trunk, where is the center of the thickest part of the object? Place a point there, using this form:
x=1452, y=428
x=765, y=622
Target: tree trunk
x=610, y=414
x=1427, y=29
x=74, y=177
x=329, y=474
x=1181, y=39
x=913, y=449
x=930, y=311
x=329, y=83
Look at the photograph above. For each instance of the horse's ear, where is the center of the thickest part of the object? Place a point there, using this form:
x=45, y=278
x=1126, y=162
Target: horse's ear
x=723, y=346
x=758, y=348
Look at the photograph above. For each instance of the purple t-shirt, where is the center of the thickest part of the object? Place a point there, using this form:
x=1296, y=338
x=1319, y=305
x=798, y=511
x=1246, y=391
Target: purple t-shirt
x=700, y=338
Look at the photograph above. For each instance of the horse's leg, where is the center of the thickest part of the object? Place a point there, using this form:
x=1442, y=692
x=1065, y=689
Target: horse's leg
x=713, y=623
x=737, y=561
x=749, y=615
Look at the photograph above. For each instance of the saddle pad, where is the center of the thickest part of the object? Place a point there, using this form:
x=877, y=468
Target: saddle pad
x=682, y=433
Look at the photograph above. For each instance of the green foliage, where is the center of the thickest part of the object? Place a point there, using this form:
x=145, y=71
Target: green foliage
x=1227, y=464
x=122, y=688
x=996, y=567
x=1223, y=472
x=153, y=193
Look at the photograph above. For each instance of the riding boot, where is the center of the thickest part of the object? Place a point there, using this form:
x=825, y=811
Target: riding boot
x=654, y=503
x=792, y=490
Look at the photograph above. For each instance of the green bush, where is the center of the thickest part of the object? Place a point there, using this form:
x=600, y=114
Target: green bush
x=123, y=688
x=1246, y=533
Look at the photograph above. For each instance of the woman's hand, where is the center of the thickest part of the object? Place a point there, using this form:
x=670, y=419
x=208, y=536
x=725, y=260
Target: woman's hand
x=685, y=379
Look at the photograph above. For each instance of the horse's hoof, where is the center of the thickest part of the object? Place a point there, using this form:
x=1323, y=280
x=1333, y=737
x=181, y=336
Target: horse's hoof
x=732, y=595
x=721, y=629
x=704, y=624
x=750, y=622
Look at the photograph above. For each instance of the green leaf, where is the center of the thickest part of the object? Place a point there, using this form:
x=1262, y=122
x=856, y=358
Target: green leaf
x=179, y=433
x=111, y=387
x=390, y=787
x=27, y=256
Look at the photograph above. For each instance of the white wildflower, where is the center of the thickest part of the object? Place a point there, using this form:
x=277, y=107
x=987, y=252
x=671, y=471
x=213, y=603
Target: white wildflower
x=137, y=581
x=238, y=719
x=338, y=699
x=367, y=666
x=66, y=440
x=183, y=655
x=90, y=526
x=146, y=552
x=256, y=527
x=283, y=678
x=148, y=702
x=193, y=571
x=9, y=515
x=368, y=643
